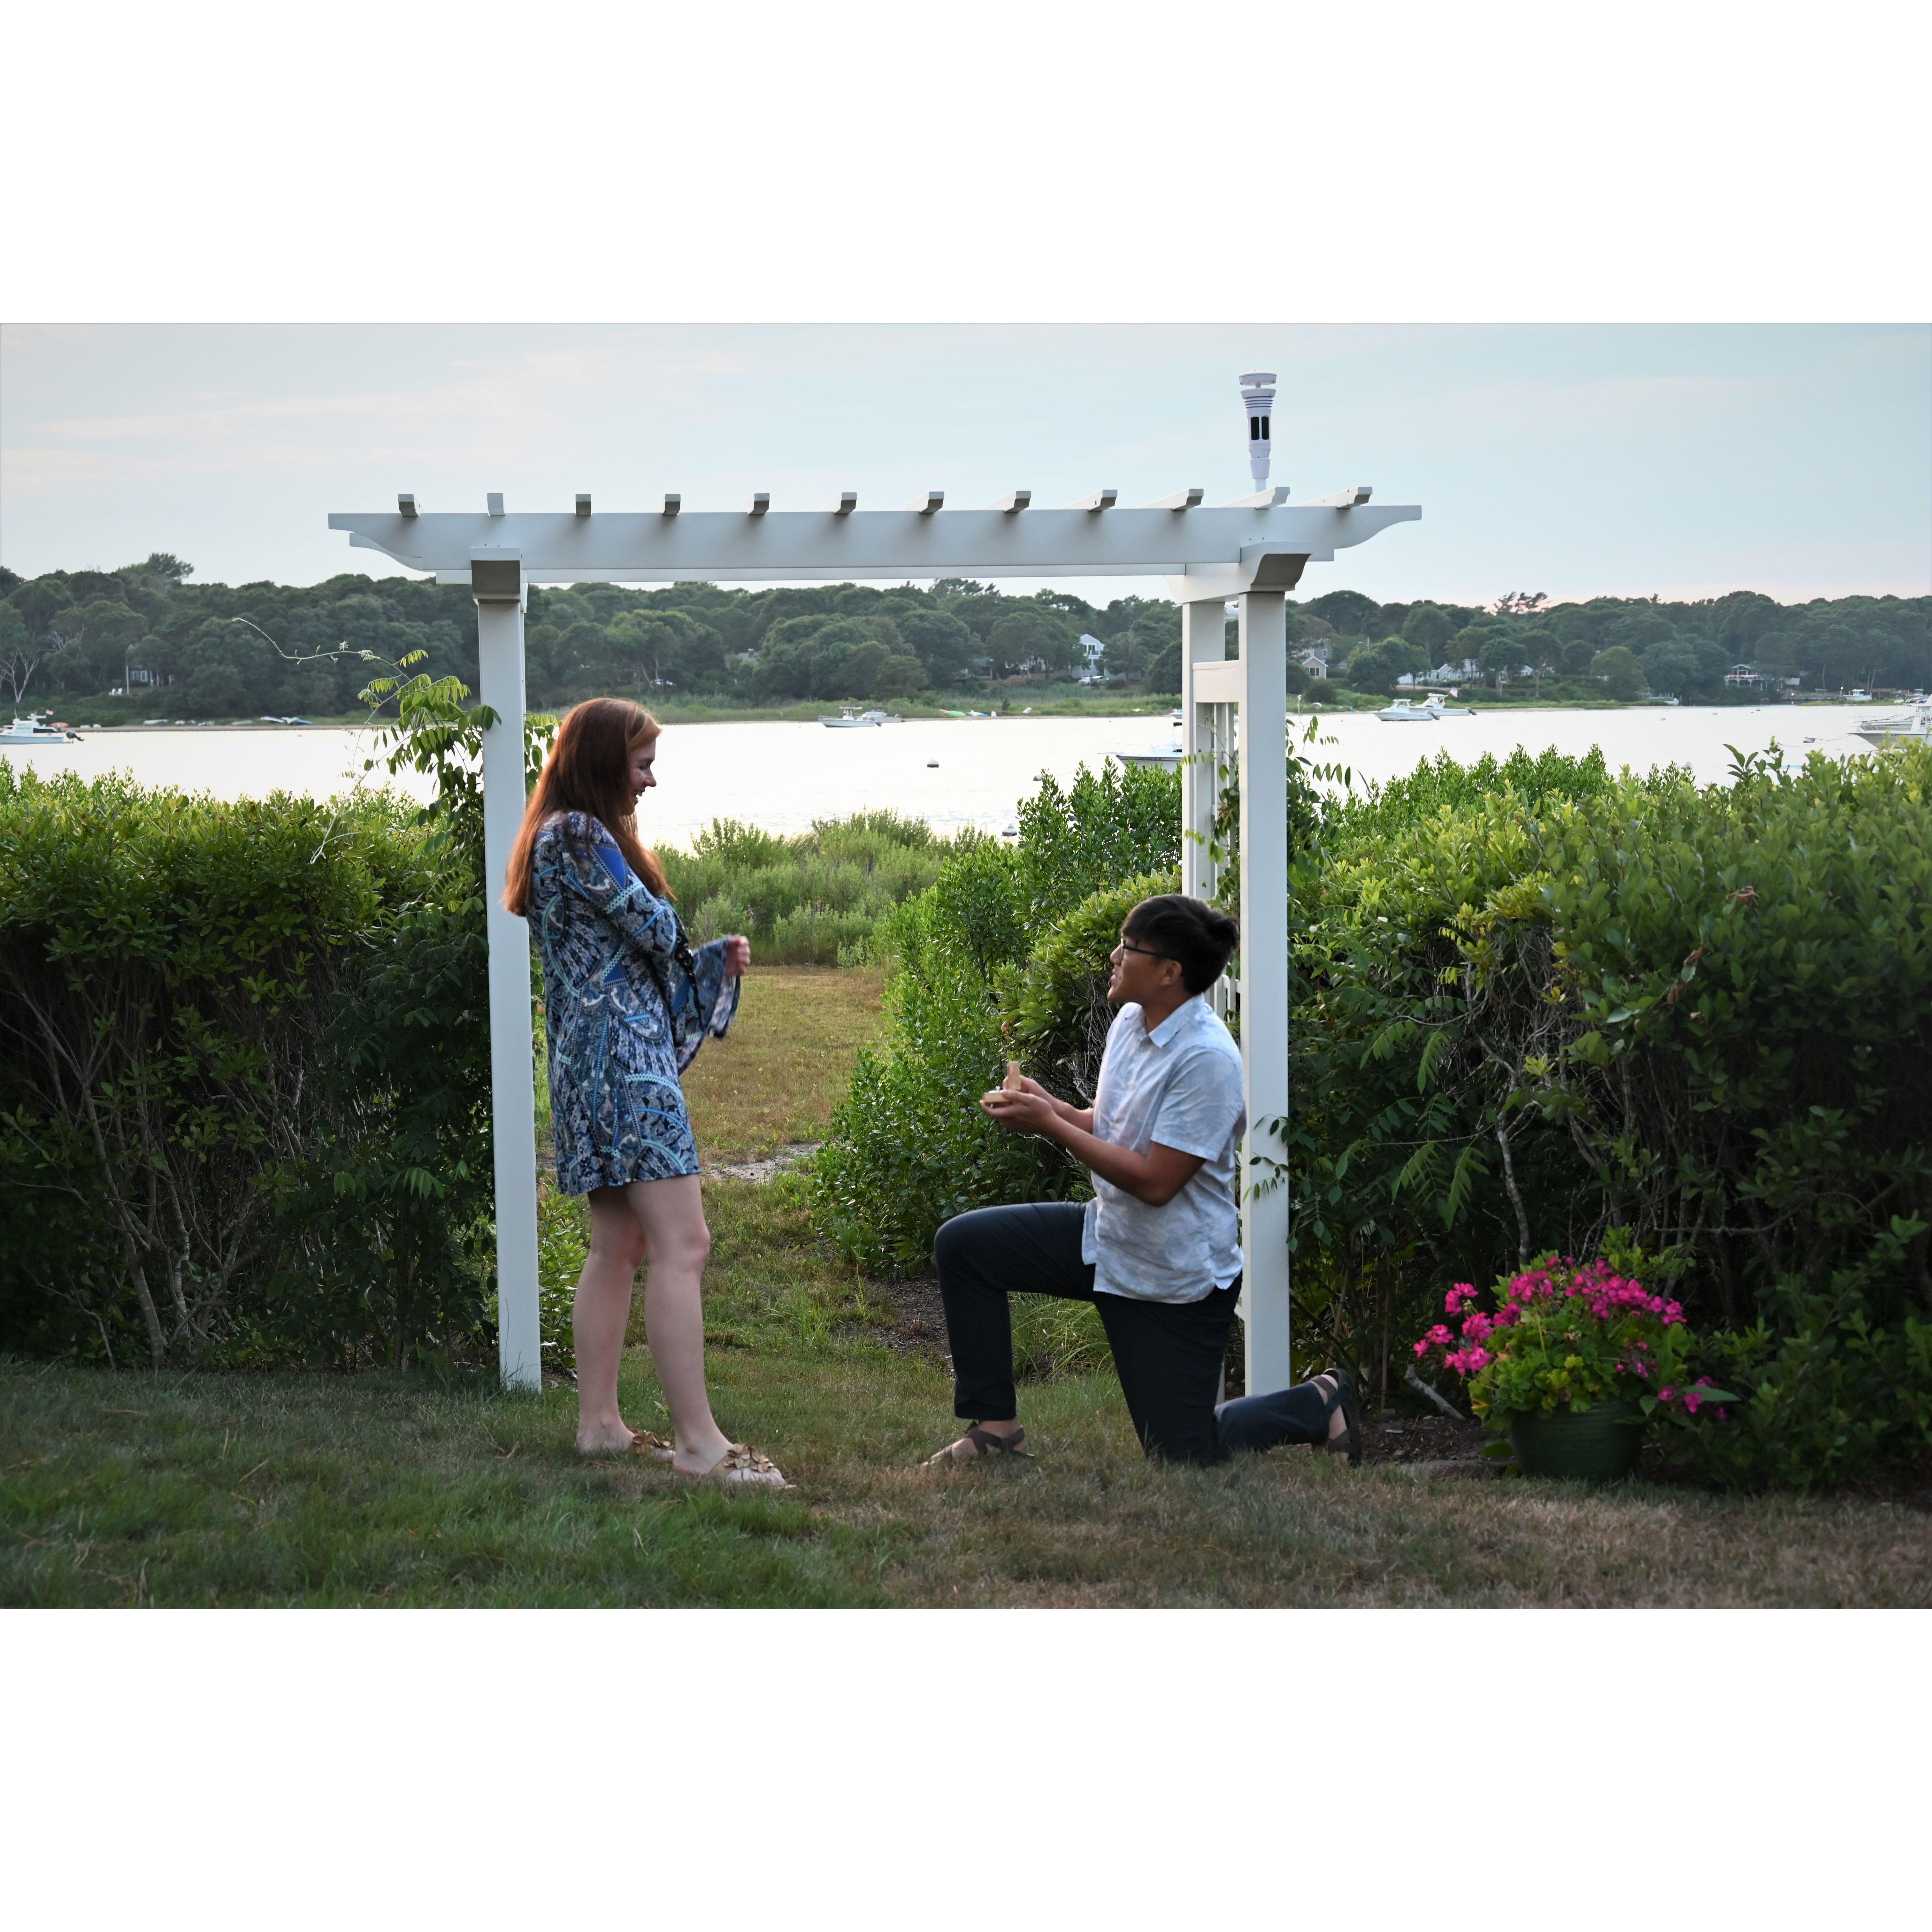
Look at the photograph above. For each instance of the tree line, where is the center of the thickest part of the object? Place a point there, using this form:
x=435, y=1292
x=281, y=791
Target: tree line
x=1628, y=646
x=217, y=650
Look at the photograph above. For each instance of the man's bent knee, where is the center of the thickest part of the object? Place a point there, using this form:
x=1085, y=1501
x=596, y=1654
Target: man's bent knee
x=946, y=1244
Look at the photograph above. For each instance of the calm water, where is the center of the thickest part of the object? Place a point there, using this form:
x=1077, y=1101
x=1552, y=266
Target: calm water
x=951, y=772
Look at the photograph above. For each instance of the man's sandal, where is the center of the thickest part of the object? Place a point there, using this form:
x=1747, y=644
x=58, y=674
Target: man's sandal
x=1349, y=1444
x=984, y=1443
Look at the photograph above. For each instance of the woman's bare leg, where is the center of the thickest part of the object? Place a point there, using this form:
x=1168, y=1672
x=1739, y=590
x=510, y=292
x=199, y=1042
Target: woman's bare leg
x=671, y=1215
x=600, y=1318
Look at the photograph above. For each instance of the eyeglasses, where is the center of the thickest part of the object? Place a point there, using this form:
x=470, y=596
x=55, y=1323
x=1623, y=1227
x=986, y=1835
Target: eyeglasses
x=1144, y=952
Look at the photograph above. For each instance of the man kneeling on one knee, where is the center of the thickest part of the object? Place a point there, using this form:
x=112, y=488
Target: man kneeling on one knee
x=1157, y=1250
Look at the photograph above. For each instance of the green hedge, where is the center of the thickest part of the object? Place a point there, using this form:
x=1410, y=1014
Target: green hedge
x=244, y=1066
x=1700, y=1014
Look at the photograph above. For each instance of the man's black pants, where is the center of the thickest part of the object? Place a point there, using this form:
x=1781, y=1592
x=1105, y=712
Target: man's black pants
x=1168, y=1354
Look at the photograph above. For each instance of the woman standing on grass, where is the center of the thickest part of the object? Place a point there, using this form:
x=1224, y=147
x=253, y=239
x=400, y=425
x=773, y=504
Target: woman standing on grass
x=626, y=1006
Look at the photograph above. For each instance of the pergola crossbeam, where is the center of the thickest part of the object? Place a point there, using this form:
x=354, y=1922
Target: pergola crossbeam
x=685, y=546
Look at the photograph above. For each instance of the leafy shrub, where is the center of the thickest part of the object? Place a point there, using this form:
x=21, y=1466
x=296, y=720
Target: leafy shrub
x=1116, y=825
x=909, y=1148
x=1547, y=778
x=977, y=911
x=1830, y=1394
x=811, y=899
x=1394, y=1164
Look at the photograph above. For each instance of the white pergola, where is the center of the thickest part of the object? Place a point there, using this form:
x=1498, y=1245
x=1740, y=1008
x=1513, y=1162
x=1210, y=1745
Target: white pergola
x=1252, y=551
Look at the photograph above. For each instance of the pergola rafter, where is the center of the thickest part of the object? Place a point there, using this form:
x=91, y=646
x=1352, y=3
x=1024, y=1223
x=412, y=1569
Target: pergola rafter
x=1252, y=551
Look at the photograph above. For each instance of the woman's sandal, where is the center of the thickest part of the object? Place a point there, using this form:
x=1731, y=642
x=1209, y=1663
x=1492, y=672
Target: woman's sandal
x=1349, y=1442
x=738, y=1468
x=985, y=1443
x=741, y=1468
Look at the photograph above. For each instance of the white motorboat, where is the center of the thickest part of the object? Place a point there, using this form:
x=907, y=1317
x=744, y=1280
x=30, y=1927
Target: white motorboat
x=1403, y=713
x=849, y=720
x=1910, y=727
x=1166, y=757
x=33, y=730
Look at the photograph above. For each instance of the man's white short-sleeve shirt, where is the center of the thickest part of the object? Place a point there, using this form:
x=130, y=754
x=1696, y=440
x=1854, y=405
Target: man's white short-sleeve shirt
x=1180, y=1085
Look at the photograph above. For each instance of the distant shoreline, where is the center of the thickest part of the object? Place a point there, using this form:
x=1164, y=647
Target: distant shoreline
x=1366, y=709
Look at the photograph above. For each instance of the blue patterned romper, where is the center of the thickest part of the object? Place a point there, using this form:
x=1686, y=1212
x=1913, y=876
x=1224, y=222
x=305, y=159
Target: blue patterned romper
x=626, y=1006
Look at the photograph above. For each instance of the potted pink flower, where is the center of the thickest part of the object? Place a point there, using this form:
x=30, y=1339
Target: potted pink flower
x=1571, y=1363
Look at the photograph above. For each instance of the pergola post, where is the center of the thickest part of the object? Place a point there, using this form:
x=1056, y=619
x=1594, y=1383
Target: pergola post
x=1204, y=635
x=1263, y=980
x=497, y=579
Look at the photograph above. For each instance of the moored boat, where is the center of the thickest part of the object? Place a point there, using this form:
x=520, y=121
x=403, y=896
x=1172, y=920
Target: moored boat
x=1402, y=712
x=1910, y=728
x=1165, y=757
x=33, y=730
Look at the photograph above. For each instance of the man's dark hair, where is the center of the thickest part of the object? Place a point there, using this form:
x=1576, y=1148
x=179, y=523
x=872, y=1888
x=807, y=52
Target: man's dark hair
x=1198, y=939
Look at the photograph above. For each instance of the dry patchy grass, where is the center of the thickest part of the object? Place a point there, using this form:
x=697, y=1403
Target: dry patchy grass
x=316, y=1490
x=776, y=1076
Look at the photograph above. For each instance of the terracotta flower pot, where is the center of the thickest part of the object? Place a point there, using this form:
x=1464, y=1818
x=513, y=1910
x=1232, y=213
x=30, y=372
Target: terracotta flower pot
x=1600, y=1445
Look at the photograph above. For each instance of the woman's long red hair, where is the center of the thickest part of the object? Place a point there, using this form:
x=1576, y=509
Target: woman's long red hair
x=589, y=769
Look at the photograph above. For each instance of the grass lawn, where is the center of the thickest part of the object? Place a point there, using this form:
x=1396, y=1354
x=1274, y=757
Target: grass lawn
x=198, y=1489
x=775, y=1076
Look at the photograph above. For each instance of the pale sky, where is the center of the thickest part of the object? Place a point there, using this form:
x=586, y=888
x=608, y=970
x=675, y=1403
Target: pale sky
x=1686, y=460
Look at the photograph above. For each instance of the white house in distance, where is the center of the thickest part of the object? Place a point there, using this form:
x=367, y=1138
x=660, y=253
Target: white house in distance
x=1748, y=677
x=1448, y=673
x=1093, y=650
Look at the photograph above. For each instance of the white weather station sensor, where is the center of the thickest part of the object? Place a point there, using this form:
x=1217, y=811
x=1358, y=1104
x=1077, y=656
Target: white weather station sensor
x=1258, y=392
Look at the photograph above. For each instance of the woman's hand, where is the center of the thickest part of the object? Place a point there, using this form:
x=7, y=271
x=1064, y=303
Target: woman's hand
x=737, y=956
